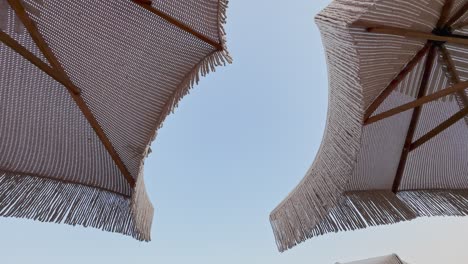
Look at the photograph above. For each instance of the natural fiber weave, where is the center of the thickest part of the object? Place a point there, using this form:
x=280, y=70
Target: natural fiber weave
x=390, y=259
x=132, y=67
x=349, y=184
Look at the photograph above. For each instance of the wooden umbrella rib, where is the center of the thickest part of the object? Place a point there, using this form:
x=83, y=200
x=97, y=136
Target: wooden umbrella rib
x=18, y=7
x=73, y=90
x=414, y=119
x=396, y=81
x=460, y=25
x=440, y=128
x=448, y=61
x=417, y=34
x=146, y=4
x=419, y=102
x=17, y=47
x=445, y=13
x=457, y=15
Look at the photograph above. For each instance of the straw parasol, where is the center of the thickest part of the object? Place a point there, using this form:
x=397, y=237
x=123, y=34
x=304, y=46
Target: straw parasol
x=396, y=137
x=84, y=86
x=390, y=259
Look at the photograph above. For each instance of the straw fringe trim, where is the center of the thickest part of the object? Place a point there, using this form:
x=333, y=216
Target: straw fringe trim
x=48, y=200
x=202, y=68
x=142, y=209
x=363, y=209
x=359, y=210
x=356, y=210
x=293, y=220
x=436, y=202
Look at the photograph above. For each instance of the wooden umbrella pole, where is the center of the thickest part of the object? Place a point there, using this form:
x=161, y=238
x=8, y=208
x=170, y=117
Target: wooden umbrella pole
x=18, y=7
x=428, y=66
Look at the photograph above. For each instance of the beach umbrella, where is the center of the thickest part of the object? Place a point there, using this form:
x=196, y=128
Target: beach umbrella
x=396, y=139
x=390, y=259
x=84, y=86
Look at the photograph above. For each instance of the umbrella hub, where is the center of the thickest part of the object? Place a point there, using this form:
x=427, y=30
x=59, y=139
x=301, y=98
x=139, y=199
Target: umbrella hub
x=443, y=32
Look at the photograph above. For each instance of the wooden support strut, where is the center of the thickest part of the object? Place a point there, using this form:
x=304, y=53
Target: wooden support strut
x=409, y=33
x=459, y=25
x=146, y=4
x=396, y=81
x=448, y=61
x=444, y=15
x=17, y=6
x=414, y=118
x=419, y=102
x=408, y=67
x=16, y=46
x=440, y=128
x=417, y=34
x=460, y=12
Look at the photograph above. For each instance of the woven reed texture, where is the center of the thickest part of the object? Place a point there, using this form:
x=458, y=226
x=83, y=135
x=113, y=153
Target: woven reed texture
x=390, y=259
x=349, y=185
x=132, y=68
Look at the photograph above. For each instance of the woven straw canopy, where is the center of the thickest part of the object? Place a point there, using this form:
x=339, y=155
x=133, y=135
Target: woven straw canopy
x=390, y=259
x=396, y=141
x=84, y=86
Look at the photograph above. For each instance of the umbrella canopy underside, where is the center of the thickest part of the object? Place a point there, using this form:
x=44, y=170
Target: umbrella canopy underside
x=84, y=86
x=390, y=259
x=366, y=172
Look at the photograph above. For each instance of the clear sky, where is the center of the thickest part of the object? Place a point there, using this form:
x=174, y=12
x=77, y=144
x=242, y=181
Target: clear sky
x=233, y=150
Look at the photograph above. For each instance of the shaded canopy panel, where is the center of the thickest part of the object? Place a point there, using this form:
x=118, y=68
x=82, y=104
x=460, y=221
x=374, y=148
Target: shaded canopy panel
x=84, y=86
x=392, y=149
x=390, y=259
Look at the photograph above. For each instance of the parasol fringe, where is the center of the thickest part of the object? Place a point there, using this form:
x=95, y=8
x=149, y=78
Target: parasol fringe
x=291, y=221
x=359, y=210
x=295, y=219
x=203, y=68
x=436, y=202
x=142, y=208
x=55, y=201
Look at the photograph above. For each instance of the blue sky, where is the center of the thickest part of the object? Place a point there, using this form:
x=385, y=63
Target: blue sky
x=233, y=150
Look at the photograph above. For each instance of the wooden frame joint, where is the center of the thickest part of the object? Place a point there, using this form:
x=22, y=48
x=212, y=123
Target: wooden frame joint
x=57, y=70
x=459, y=87
x=146, y=4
